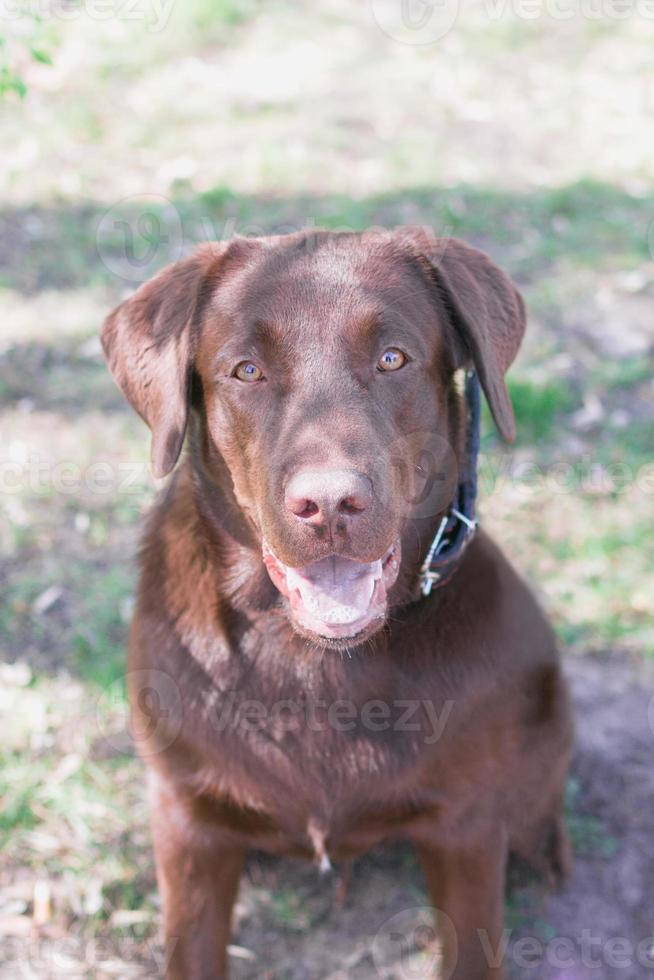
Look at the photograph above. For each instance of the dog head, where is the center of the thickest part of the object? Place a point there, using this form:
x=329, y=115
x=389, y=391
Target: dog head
x=316, y=364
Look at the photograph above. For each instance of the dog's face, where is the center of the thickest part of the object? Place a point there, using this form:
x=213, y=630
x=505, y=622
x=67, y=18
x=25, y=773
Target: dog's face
x=319, y=362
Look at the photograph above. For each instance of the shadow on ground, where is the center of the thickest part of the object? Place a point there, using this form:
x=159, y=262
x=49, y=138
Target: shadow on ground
x=72, y=245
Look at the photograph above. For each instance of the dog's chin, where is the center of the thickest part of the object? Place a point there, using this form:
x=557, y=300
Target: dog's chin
x=336, y=602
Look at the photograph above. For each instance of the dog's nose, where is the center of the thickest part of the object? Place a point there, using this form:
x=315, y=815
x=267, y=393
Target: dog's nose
x=322, y=496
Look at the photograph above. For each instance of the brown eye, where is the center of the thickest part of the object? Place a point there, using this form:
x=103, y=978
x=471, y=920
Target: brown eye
x=391, y=360
x=247, y=371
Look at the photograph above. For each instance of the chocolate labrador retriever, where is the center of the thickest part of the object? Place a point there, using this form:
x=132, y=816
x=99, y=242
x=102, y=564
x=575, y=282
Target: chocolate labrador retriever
x=324, y=654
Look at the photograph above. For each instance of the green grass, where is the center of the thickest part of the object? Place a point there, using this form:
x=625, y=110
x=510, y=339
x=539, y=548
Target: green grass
x=16, y=792
x=538, y=406
x=291, y=911
x=625, y=373
x=587, y=833
x=86, y=628
x=98, y=642
x=632, y=445
x=18, y=595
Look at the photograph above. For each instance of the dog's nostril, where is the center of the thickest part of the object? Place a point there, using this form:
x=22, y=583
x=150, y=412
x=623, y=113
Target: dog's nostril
x=310, y=508
x=351, y=505
x=302, y=506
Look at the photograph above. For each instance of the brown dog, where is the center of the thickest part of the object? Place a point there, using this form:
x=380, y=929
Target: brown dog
x=295, y=686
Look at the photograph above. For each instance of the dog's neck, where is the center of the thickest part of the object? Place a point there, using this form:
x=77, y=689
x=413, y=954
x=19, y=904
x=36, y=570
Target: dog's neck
x=457, y=525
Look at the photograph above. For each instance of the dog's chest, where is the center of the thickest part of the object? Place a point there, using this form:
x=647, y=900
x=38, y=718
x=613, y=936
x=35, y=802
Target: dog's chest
x=313, y=761
x=326, y=794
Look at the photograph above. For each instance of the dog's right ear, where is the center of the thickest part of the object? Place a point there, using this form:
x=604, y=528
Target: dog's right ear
x=149, y=343
x=486, y=309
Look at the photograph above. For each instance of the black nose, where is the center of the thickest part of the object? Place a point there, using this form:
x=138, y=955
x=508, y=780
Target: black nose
x=323, y=496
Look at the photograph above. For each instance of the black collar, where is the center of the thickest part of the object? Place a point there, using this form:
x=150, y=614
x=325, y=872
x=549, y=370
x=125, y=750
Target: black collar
x=458, y=524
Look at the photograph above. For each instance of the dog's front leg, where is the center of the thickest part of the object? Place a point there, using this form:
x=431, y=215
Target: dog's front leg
x=198, y=879
x=466, y=883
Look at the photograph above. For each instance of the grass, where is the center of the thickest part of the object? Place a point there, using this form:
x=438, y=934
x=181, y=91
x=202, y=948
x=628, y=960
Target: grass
x=626, y=373
x=41, y=788
x=291, y=911
x=537, y=407
x=588, y=835
x=78, y=245
x=98, y=641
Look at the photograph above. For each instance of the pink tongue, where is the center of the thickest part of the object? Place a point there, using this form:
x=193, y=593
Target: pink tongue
x=335, y=590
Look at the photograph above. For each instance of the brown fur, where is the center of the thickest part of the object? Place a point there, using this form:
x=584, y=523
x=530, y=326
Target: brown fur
x=210, y=633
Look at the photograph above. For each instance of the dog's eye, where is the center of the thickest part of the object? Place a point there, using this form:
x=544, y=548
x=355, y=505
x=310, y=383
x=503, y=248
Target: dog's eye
x=391, y=360
x=247, y=371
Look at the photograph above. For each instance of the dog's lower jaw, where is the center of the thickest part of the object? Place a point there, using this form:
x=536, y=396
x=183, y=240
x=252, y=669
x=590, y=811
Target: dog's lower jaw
x=342, y=643
x=336, y=603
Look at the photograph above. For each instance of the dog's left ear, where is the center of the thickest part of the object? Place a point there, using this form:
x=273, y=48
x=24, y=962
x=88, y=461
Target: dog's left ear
x=486, y=309
x=149, y=344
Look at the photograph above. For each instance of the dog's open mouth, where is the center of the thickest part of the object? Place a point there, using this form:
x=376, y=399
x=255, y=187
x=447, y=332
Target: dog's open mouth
x=336, y=598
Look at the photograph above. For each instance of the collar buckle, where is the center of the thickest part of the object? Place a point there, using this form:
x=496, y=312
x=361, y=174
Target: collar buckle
x=458, y=524
x=429, y=576
x=428, y=580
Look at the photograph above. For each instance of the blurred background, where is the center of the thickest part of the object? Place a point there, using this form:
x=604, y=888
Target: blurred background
x=129, y=131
